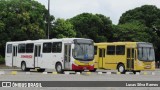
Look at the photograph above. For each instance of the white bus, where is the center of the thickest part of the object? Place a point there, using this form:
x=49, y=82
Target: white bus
x=75, y=54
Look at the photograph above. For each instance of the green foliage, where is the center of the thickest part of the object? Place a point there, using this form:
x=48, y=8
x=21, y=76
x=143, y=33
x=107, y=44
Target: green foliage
x=26, y=19
x=2, y=61
x=96, y=27
x=62, y=29
x=21, y=20
x=148, y=17
x=133, y=32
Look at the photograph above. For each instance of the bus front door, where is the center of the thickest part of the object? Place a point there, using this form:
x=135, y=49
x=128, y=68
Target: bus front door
x=67, y=54
x=14, y=58
x=101, y=57
x=37, y=55
x=130, y=58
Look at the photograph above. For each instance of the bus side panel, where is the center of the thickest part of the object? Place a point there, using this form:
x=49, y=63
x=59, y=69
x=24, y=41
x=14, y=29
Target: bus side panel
x=120, y=59
x=30, y=61
x=110, y=62
x=96, y=61
x=45, y=61
x=49, y=60
x=18, y=60
x=27, y=57
x=8, y=59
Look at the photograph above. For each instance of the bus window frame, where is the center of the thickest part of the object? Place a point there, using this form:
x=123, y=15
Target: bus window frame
x=112, y=50
x=9, y=49
x=19, y=45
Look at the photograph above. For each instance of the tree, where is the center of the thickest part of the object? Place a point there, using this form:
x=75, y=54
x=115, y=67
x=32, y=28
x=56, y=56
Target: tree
x=149, y=17
x=134, y=31
x=96, y=27
x=21, y=20
x=62, y=29
x=106, y=28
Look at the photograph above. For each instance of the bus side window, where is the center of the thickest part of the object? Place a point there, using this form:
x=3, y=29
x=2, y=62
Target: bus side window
x=21, y=48
x=9, y=48
x=57, y=47
x=29, y=48
x=120, y=50
x=110, y=50
x=47, y=47
x=95, y=50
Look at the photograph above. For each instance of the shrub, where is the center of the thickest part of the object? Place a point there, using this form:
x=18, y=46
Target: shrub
x=2, y=61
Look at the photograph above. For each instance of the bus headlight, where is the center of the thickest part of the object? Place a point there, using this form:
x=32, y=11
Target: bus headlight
x=75, y=64
x=92, y=65
x=153, y=64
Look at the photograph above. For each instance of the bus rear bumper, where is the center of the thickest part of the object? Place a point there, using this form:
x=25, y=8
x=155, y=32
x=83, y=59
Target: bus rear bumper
x=82, y=67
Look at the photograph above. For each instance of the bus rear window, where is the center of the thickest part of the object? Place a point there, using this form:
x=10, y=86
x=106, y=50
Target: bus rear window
x=9, y=48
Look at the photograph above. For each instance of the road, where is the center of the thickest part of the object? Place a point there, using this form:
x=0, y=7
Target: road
x=84, y=76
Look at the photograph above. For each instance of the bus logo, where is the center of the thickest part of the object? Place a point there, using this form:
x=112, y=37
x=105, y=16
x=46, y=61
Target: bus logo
x=6, y=84
x=26, y=56
x=148, y=66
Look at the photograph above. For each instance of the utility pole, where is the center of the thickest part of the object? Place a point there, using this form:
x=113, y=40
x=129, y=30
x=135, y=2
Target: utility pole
x=48, y=17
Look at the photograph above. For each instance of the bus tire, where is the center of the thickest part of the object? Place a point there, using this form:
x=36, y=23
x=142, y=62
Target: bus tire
x=41, y=70
x=121, y=69
x=94, y=70
x=23, y=67
x=59, y=68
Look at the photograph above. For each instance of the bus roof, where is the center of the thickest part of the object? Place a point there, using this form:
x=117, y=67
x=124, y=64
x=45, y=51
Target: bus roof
x=120, y=43
x=45, y=40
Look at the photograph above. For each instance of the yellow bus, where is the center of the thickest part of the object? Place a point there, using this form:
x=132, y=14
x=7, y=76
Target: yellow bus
x=124, y=56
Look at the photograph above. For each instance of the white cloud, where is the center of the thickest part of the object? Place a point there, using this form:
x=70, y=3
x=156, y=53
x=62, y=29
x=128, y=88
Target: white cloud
x=110, y=8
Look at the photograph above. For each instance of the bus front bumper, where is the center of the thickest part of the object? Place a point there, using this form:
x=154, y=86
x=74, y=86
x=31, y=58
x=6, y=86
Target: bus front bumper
x=82, y=67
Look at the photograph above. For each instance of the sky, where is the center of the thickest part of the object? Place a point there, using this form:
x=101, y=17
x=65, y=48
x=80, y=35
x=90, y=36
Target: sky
x=110, y=8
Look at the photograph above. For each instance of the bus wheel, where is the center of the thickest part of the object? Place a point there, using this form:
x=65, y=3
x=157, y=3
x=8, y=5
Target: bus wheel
x=136, y=71
x=59, y=68
x=94, y=70
x=121, y=68
x=23, y=67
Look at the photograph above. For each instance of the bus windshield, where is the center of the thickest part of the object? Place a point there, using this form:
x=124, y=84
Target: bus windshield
x=146, y=53
x=84, y=51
